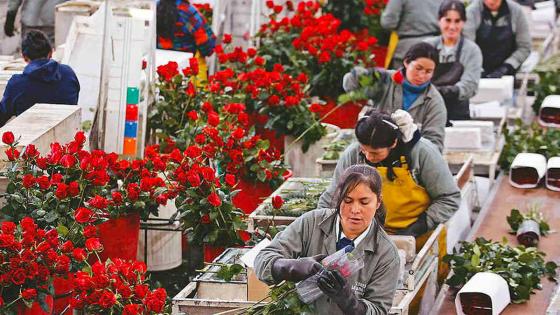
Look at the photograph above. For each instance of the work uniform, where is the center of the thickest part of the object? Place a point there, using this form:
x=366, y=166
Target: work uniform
x=36, y=15
x=504, y=39
x=428, y=110
x=413, y=21
x=315, y=233
x=463, y=72
x=42, y=81
x=422, y=185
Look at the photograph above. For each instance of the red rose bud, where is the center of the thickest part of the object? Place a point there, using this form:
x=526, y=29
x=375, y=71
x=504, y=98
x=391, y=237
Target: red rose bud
x=93, y=244
x=28, y=181
x=68, y=161
x=277, y=202
x=227, y=38
x=205, y=219
x=12, y=154
x=80, y=137
x=83, y=215
x=79, y=254
x=29, y=294
x=8, y=137
x=230, y=180
x=90, y=231
x=214, y=200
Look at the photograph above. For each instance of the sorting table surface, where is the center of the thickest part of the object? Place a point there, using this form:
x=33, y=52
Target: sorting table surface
x=492, y=224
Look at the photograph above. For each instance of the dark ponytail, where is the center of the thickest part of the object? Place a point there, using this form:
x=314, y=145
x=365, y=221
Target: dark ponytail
x=377, y=130
x=166, y=18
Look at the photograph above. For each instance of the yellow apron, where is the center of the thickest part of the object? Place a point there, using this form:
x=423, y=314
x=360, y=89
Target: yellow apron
x=393, y=41
x=404, y=200
x=201, y=79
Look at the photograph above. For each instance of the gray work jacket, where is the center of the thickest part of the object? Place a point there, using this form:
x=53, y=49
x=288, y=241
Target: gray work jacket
x=35, y=12
x=428, y=111
x=519, y=25
x=413, y=20
x=471, y=59
x=314, y=233
x=429, y=170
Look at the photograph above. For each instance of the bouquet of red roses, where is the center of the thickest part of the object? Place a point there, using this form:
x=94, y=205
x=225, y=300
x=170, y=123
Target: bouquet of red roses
x=116, y=287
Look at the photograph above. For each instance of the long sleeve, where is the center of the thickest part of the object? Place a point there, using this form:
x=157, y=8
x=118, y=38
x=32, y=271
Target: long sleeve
x=522, y=40
x=391, y=15
x=440, y=185
x=6, y=106
x=13, y=5
x=471, y=58
x=435, y=118
x=473, y=21
x=380, y=290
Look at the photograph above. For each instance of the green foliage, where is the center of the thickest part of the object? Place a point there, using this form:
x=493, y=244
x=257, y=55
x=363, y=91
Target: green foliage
x=516, y=218
x=284, y=300
x=549, y=80
x=521, y=267
x=532, y=139
x=352, y=17
x=228, y=271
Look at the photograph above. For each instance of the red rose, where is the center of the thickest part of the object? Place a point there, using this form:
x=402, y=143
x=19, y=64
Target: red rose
x=208, y=173
x=27, y=224
x=200, y=138
x=73, y=189
x=90, y=231
x=29, y=294
x=117, y=197
x=193, y=151
x=8, y=227
x=274, y=100
x=214, y=199
x=277, y=9
x=227, y=38
x=162, y=199
x=28, y=180
x=80, y=137
x=193, y=179
x=213, y=119
x=207, y=107
x=107, y=299
x=398, y=77
x=79, y=254
x=205, y=219
x=230, y=179
x=93, y=244
x=277, y=202
x=83, y=215
x=260, y=61
x=141, y=291
x=193, y=115
x=68, y=161
x=12, y=154
x=30, y=152
x=98, y=202
x=8, y=137
x=18, y=277
x=133, y=309
x=61, y=191
x=238, y=133
x=63, y=264
x=44, y=182
x=133, y=191
x=67, y=246
x=168, y=71
x=155, y=301
x=270, y=4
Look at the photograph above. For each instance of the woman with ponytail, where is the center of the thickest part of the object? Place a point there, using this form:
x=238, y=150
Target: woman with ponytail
x=419, y=191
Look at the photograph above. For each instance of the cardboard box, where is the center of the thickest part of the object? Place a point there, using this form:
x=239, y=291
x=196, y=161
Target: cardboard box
x=256, y=289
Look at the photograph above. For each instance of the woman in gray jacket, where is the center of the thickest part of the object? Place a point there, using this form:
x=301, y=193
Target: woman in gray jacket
x=500, y=29
x=409, y=89
x=460, y=61
x=419, y=191
x=355, y=219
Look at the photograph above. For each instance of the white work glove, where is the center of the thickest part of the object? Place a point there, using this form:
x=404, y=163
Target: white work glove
x=406, y=124
x=351, y=80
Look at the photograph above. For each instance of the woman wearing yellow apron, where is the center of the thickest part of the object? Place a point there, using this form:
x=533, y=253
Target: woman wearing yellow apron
x=419, y=191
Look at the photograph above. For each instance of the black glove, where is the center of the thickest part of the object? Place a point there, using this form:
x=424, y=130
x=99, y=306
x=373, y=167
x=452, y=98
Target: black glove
x=505, y=69
x=333, y=284
x=450, y=93
x=9, y=25
x=417, y=228
x=296, y=269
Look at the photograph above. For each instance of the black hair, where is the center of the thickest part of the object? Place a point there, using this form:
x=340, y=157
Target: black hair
x=452, y=5
x=166, y=17
x=362, y=174
x=422, y=50
x=377, y=130
x=36, y=45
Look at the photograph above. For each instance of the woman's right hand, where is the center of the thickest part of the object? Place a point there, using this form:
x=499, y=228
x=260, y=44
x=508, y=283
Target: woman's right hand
x=296, y=270
x=351, y=80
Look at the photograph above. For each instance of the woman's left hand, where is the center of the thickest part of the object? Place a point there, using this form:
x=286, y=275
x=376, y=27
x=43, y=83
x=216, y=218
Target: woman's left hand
x=335, y=286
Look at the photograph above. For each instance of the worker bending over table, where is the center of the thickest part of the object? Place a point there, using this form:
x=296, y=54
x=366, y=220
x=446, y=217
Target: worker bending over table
x=419, y=191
